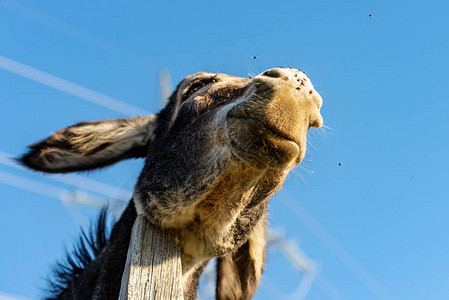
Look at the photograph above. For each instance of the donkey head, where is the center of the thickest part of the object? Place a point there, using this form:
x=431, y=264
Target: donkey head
x=214, y=155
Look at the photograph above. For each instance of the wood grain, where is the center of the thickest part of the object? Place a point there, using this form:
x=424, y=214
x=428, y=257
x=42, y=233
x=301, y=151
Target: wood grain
x=153, y=266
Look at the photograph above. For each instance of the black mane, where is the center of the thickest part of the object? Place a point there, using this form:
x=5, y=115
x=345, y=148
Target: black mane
x=89, y=245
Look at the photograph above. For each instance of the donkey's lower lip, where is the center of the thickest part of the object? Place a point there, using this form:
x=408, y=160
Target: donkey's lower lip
x=264, y=147
x=276, y=132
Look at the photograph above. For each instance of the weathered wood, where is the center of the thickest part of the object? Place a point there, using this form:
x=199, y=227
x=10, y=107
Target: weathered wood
x=153, y=265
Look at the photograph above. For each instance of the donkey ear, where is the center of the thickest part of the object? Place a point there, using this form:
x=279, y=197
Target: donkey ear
x=90, y=145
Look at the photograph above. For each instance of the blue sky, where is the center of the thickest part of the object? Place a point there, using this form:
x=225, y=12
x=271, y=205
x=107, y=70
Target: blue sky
x=376, y=226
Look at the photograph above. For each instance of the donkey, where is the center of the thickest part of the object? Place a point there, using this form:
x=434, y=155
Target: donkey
x=215, y=155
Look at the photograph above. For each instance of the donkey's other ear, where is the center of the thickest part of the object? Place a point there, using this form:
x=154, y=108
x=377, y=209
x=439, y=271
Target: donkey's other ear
x=90, y=145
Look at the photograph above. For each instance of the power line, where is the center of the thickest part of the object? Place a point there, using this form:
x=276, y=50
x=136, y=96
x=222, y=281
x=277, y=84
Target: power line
x=67, y=197
x=32, y=185
x=291, y=250
x=75, y=180
x=51, y=191
x=70, y=87
x=298, y=259
x=318, y=230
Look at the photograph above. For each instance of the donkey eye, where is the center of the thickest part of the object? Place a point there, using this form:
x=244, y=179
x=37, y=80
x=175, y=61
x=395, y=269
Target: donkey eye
x=197, y=85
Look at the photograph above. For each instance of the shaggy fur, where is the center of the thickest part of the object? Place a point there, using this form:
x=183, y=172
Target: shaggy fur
x=88, y=247
x=215, y=155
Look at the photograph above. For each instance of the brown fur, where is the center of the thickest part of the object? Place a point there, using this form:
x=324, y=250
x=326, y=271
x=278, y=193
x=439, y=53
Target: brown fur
x=215, y=155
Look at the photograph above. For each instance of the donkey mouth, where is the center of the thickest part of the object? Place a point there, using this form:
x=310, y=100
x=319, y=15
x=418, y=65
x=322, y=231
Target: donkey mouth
x=275, y=132
x=256, y=141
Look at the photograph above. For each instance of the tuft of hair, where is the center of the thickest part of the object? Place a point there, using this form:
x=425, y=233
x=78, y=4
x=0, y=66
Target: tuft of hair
x=89, y=245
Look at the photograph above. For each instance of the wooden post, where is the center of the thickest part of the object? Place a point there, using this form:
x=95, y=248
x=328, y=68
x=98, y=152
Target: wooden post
x=153, y=266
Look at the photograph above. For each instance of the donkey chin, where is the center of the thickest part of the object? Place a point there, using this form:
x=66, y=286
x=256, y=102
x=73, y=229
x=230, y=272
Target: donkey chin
x=214, y=156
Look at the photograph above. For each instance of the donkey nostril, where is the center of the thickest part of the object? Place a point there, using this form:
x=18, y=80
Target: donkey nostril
x=272, y=73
